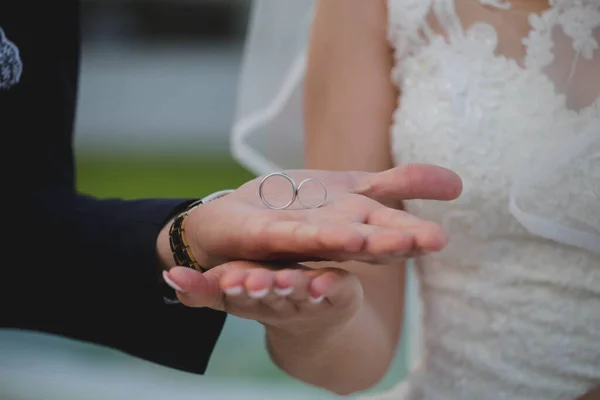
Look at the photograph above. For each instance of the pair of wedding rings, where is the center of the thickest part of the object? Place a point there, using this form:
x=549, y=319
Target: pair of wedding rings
x=295, y=191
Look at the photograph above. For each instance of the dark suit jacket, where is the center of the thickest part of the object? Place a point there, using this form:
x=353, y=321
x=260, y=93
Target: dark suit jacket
x=74, y=265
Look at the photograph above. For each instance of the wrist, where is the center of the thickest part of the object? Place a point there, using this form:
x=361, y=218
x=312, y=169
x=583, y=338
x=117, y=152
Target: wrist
x=287, y=346
x=197, y=218
x=294, y=337
x=309, y=354
x=179, y=242
x=310, y=332
x=163, y=248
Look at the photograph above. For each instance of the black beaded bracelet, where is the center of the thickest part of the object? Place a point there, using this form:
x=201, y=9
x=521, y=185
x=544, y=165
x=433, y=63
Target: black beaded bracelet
x=180, y=248
x=182, y=254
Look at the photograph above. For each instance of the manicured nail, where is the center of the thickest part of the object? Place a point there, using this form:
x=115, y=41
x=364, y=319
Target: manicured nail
x=234, y=291
x=316, y=300
x=283, y=292
x=258, y=294
x=172, y=284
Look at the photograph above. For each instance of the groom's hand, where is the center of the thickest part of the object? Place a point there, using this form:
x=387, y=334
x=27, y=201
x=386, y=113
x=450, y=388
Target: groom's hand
x=353, y=224
x=291, y=298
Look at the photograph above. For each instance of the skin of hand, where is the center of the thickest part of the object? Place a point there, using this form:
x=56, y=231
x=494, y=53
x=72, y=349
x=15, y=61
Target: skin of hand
x=304, y=308
x=352, y=225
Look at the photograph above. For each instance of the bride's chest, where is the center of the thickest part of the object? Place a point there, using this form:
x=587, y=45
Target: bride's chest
x=479, y=115
x=493, y=123
x=465, y=99
x=521, y=146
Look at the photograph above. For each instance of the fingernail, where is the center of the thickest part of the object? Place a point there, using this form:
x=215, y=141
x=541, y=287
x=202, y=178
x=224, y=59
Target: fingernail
x=316, y=300
x=283, y=292
x=233, y=291
x=258, y=294
x=170, y=282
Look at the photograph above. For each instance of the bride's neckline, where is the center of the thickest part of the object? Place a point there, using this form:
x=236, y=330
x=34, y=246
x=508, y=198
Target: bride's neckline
x=533, y=39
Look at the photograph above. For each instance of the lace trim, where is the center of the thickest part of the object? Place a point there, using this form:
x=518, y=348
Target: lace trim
x=577, y=18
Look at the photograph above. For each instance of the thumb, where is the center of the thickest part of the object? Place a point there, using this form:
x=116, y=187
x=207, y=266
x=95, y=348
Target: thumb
x=411, y=181
x=196, y=289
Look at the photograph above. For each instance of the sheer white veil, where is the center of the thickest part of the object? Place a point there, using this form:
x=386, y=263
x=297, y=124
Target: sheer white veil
x=268, y=129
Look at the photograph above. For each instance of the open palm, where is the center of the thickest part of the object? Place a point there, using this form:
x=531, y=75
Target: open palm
x=354, y=223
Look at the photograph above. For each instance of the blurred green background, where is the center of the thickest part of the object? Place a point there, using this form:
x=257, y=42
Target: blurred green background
x=134, y=175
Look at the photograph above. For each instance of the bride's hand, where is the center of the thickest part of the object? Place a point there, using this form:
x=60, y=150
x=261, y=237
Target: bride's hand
x=353, y=224
x=290, y=297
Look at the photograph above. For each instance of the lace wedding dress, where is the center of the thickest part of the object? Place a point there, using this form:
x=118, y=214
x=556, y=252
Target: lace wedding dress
x=507, y=96
x=507, y=314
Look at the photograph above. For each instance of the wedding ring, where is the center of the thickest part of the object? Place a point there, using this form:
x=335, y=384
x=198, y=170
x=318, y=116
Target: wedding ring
x=289, y=179
x=295, y=191
x=311, y=180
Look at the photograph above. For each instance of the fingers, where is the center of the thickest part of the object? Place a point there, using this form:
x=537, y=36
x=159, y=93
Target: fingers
x=299, y=282
x=195, y=289
x=427, y=236
x=256, y=283
x=383, y=241
x=337, y=285
x=387, y=233
x=277, y=237
x=360, y=229
x=411, y=181
x=376, y=242
x=278, y=297
x=297, y=298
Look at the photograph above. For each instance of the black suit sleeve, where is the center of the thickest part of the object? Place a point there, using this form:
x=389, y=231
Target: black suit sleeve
x=74, y=265
x=118, y=239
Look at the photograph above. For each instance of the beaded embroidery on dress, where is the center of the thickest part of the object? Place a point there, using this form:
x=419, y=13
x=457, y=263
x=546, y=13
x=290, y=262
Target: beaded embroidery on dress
x=507, y=97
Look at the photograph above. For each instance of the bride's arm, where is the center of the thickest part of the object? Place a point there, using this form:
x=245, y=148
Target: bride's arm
x=349, y=101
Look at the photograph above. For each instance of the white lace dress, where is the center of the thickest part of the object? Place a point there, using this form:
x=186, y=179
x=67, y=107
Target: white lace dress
x=507, y=313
